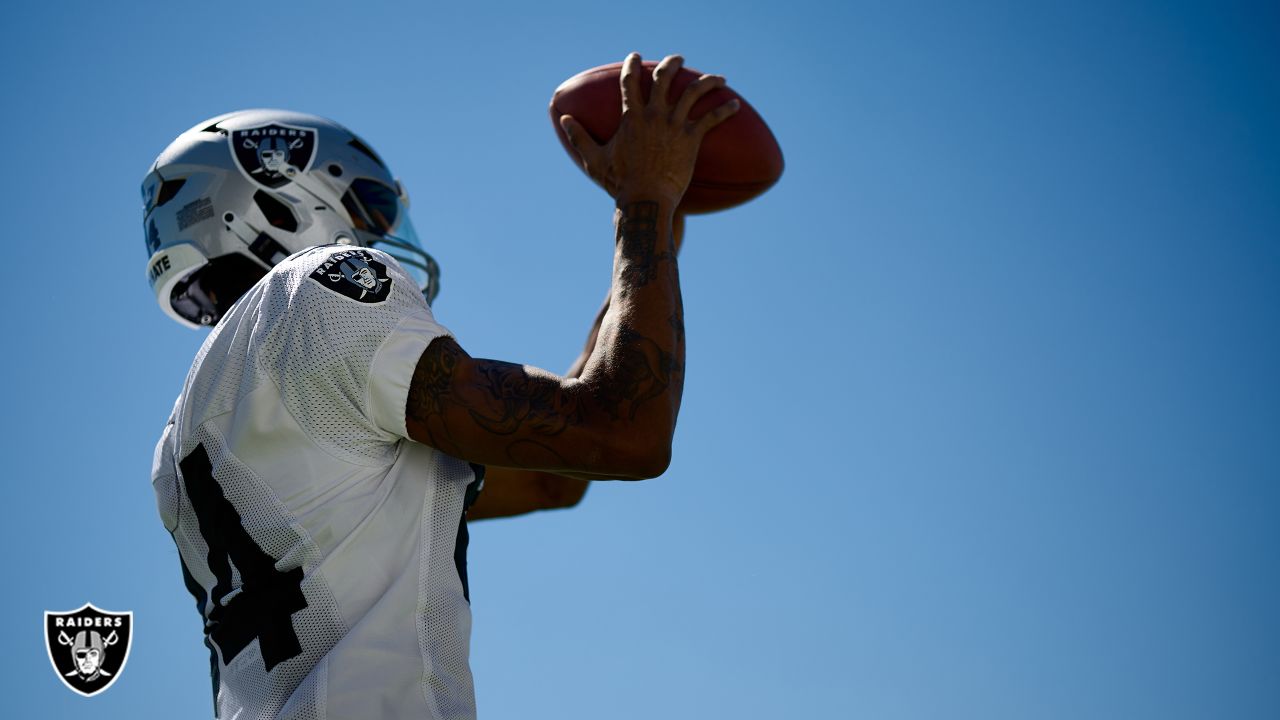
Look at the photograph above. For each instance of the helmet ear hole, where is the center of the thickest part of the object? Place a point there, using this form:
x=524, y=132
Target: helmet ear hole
x=168, y=189
x=204, y=296
x=276, y=212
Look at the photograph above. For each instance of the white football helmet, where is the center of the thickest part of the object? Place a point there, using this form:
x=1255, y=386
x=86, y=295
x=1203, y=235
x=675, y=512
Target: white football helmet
x=238, y=193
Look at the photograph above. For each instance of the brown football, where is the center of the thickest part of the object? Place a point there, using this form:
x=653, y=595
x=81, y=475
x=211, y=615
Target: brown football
x=738, y=159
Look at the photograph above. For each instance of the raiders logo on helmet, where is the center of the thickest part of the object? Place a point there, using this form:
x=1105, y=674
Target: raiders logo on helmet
x=272, y=154
x=356, y=274
x=88, y=647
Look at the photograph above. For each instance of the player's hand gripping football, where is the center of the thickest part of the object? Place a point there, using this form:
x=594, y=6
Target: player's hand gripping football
x=652, y=154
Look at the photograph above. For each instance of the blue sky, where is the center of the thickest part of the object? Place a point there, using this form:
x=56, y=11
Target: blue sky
x=982, y=407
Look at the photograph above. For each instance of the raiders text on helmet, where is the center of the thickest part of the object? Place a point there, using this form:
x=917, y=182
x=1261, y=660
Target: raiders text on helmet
x=238, y=193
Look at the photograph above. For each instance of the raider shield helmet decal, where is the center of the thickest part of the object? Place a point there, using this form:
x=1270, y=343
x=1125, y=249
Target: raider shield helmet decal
x=88, y=647
x=356, y=274
x=272, y=154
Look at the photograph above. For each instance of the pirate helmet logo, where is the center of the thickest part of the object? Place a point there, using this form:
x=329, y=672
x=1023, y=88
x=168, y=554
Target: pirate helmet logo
x=272, y=154
x=355, y=274
x=88, y=647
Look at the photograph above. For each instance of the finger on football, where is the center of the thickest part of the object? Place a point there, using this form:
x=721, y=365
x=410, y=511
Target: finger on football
x=717, y=116
x=692, y=94
x=581, y=142
x=662, y=75
x=630, y=80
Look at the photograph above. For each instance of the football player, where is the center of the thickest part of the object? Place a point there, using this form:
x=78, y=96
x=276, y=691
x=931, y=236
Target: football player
x=318, y=466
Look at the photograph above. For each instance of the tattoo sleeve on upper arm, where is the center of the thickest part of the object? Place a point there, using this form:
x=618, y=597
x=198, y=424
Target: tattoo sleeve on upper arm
x=503, y=399
x=516, y=401
x=433, y=378
x=431, y=390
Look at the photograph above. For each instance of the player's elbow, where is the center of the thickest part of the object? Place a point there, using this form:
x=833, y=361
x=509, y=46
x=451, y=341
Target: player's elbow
x=634, y=449
x=657, y=462
x=646, y=458
x=649, y=447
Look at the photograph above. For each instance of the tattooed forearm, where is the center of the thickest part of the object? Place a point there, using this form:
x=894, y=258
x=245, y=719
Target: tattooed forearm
x=641, y=249
x=643, y=358
x=642, y=372
x=676, y=321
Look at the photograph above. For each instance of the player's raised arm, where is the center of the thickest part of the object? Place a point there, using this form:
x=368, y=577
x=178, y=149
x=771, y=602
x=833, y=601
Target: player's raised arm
x=618, y=418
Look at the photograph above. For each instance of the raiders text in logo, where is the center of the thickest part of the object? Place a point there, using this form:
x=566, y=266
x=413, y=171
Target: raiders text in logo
x=88, y=647
x=270, y=154
x=356, y=274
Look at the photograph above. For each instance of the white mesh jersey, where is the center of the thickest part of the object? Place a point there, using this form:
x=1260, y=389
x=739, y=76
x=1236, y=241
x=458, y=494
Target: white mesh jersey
x=326, y=552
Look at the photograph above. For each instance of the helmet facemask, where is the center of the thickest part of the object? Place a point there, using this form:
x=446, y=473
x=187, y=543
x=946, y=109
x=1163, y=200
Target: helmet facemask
x=380, y=216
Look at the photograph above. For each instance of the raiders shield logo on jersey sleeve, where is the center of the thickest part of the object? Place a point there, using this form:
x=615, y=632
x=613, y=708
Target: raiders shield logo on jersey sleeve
x=88, y=647
x=356, y=274
x=272, y=154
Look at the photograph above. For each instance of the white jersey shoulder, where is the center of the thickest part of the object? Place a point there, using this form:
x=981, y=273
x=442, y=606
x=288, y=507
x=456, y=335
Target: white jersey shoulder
x=324, y=549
